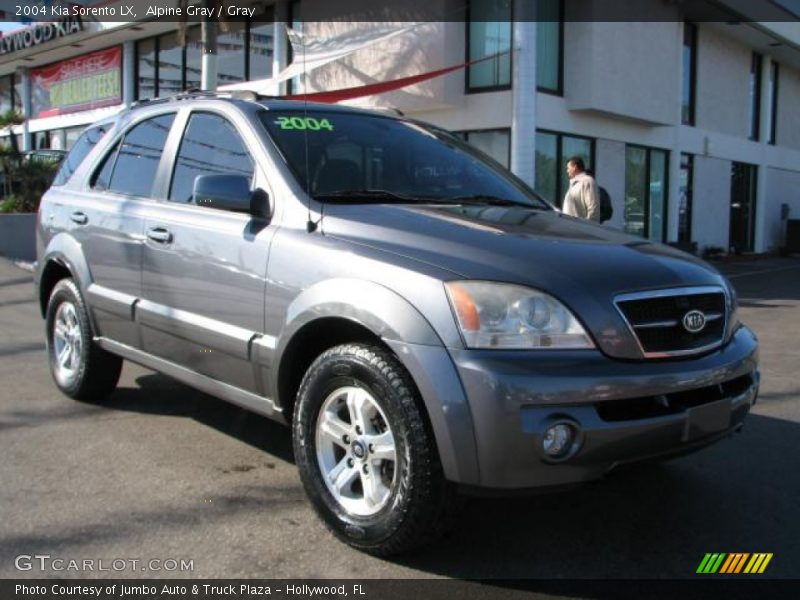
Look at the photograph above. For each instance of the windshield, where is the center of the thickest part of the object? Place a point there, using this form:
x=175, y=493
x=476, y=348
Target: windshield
x=341, y=157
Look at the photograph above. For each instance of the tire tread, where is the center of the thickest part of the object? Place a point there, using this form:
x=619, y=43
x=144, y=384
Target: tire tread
x=431, y=494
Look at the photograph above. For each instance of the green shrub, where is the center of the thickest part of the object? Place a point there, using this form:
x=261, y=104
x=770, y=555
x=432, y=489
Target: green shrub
x=24, y=181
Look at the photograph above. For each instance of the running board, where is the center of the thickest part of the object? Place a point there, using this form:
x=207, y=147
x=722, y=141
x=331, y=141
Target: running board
x=258, y=404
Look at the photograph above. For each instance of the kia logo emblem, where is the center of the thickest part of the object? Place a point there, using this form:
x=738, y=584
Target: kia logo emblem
x=694, y=321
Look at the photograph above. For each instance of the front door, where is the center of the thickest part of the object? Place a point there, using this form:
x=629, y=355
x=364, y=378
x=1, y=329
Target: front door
x=743, y=207
x=205, y=269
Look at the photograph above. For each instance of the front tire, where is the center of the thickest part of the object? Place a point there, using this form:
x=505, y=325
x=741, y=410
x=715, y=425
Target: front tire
x=366, y=452
x=80, y=368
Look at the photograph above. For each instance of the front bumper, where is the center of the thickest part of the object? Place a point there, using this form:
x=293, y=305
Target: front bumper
x=624, y=411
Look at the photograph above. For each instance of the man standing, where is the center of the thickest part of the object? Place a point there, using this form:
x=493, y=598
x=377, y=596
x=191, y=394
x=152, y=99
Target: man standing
x=582, y=199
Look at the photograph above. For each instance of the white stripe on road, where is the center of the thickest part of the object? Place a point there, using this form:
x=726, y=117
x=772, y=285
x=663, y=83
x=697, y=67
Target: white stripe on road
x=746, y=273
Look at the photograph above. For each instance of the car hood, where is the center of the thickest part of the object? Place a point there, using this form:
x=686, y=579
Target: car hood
x=583, y=264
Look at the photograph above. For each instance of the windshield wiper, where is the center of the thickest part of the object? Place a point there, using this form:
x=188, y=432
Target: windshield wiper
x=359, y=196
x=484, y=199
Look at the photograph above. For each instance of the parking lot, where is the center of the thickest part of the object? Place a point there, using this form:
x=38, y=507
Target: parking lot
x=164, y=472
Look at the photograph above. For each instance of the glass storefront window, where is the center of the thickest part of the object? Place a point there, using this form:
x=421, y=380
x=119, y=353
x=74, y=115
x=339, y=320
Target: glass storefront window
x=489, y=33
x=548, y=45
x=547, y=166
x=635, y=189
x=685, y=198
x=261, y=50
x=755, y=96
x=170, y=62
x=71, y=136
x=6, y=93
x=146, y=69
x=689, y=73
x=18, y=94
x=552, y=152
x=41, y=140
x=646, y=192
x=657, y=195
x=193, y=70
x=165, y=67
x=231, y=46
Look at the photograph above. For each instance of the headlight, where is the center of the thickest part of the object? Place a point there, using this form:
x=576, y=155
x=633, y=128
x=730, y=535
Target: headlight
x=500, y=315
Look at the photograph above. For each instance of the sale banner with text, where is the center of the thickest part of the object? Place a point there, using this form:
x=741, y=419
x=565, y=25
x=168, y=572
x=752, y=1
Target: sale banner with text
x=81, y=83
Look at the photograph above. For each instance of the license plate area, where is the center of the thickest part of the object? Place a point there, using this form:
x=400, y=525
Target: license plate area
x=708, y=419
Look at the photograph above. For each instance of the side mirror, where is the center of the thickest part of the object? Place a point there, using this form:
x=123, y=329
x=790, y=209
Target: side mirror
x=230, y=192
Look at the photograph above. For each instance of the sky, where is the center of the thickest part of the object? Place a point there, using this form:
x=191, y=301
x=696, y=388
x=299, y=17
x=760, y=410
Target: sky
x=10, y=26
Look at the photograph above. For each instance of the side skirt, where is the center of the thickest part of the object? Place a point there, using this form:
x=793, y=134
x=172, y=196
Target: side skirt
x=258, y=404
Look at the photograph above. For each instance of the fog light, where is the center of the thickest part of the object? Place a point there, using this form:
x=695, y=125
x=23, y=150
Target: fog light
x=558, y=440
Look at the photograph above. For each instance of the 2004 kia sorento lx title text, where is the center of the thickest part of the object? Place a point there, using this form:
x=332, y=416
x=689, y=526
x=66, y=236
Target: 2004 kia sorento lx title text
x=424, y=321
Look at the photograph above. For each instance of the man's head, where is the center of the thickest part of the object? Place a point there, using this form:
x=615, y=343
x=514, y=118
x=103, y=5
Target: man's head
x=575, y=166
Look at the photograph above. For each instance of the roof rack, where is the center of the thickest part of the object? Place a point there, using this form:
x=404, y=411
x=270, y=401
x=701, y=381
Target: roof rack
x=194, y=94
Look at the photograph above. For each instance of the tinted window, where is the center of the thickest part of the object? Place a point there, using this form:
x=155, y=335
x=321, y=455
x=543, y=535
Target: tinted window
x=131, y=169
x=80, y=150
x=102, y=176
x=211, y=146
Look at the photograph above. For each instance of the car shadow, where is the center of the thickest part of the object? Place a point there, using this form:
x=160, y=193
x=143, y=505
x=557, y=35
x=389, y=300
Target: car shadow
x=161, y=395
x=651, y=521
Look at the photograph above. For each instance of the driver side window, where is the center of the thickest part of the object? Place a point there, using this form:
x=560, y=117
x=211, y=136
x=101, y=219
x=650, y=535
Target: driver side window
x=210, y=146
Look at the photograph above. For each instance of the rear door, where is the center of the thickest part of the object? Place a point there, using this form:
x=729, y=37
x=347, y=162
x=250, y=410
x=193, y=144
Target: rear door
x=205, y=269
x=106, y=218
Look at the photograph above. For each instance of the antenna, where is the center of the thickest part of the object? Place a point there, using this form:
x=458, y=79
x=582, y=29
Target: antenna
x=311, y=225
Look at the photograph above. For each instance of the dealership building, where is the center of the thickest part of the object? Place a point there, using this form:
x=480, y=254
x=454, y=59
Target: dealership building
x=692, y=125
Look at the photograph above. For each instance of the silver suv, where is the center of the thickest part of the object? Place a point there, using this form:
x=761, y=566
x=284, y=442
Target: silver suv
x=423, y=321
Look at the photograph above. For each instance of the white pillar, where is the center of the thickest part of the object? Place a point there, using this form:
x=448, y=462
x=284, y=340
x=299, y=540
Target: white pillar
x=763, y=207
x=27, y=109
x=280, y=49
x=523, y=92
x=128, y=72
x=208, y=77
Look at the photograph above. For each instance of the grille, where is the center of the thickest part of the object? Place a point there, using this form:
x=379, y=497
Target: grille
x=656, y=320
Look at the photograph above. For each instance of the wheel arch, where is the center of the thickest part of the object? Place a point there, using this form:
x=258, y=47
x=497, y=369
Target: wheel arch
x=62, y=258
x=346, y=311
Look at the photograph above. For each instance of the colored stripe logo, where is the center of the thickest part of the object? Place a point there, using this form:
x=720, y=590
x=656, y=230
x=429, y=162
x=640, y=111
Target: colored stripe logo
x=734, y=563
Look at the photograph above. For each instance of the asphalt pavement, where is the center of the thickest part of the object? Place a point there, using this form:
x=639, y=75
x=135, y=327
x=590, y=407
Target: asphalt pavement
x=163, y=472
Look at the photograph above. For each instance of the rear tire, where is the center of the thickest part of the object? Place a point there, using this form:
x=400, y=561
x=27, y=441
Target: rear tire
x=366, y=452
x=80, y=368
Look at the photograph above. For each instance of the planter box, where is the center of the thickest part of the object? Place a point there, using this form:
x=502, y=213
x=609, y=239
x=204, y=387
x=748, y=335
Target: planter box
x=18, y=236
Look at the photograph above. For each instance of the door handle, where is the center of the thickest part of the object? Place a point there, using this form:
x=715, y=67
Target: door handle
x=160, y=235
x=79, y=218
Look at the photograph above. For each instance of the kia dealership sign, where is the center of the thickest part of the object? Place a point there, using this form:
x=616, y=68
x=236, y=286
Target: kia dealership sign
x=38, y=34
x=82, y=83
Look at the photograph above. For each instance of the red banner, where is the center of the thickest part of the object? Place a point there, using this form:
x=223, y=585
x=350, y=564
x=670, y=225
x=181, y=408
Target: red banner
x=83, y=83
x=333, y=96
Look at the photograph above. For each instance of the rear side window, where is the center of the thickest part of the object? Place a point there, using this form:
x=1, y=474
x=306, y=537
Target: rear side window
x=85, y=143
x=210, y=146
x=130, y=167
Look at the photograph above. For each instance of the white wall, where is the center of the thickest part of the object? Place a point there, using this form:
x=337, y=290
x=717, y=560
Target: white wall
x=723, y=76
x=788, y=124
x=627, y=69
x=711, y=202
